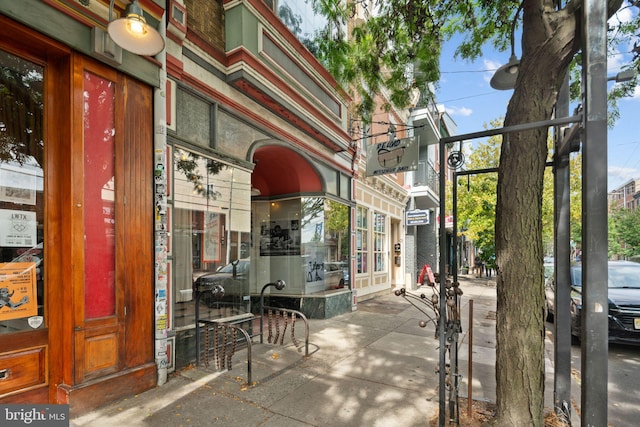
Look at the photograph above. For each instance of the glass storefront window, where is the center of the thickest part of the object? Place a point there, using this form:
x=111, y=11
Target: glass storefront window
x=211, y=235
x=22, y=287
x=308, y=27
x=362, y=231
x=379, y=242
x=345, y=185
x=325, y=243
x=336, y=219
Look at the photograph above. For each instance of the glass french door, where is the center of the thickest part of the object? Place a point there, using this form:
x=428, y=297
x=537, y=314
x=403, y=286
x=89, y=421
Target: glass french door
x=23, y=283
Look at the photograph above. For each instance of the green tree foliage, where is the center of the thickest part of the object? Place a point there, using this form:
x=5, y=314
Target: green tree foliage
x=337, y=225
x=382, y=51
x=624, y=232
x=575, y=197
x=477, y=197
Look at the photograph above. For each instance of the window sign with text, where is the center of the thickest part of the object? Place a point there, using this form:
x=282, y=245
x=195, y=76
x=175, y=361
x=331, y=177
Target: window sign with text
x=18, y=290
x=18, y=228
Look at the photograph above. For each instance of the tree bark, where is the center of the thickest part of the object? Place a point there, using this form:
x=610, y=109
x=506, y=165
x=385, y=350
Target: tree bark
x=549, y=43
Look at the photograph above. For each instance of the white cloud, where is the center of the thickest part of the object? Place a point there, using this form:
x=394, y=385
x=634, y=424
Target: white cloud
x=623, y=16
x=491, y=67
x=618, y=175
x=459, y=111
x=615, y=62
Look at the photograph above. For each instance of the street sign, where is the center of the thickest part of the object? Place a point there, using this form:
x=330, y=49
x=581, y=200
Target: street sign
x=417, y=217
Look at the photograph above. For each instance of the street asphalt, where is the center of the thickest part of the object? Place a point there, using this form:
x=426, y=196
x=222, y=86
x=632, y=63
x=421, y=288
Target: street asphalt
x=375, y=366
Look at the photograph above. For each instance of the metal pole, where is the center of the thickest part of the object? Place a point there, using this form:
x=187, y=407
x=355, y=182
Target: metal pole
x=595, y=351
x=454, y=410
x=197, y=314
x=443, y=290
x=454, y=235
x=561, y=278
x=262, y=309
x=279, y=285
x=470, y=367
x=160, y=148
x=515, y=128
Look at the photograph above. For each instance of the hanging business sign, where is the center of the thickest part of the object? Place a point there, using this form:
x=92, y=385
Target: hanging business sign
x=399, y=155
x=417, y=217
x=448, y=221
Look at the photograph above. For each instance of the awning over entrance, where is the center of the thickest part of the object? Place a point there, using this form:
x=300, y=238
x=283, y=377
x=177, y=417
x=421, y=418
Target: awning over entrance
x=280, y=170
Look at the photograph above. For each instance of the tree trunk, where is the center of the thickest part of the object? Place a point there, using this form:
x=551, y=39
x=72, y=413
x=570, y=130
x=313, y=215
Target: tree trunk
x=548, y=46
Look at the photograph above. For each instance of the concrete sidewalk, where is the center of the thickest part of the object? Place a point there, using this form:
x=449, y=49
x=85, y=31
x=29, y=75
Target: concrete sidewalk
x=372, y=367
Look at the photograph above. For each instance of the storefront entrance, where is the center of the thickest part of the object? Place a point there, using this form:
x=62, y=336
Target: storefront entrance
x=76, y=254
x=301, y=226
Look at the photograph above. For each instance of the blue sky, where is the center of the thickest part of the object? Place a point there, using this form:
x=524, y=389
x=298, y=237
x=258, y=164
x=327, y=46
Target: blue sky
x=465, y=93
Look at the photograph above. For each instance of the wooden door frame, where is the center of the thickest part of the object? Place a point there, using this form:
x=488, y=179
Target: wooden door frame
x=55, y=57
x=64, y=276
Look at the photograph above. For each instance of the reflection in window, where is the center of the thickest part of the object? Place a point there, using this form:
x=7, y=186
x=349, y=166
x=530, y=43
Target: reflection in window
x=308, y=27
x=211, y=229
x=22, y=290
x=312, y=237
x=362, y=230
x=337, y=231
x=336, y=244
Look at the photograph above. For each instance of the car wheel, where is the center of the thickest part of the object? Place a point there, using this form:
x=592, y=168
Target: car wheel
x=548, y=314
x=575, y=340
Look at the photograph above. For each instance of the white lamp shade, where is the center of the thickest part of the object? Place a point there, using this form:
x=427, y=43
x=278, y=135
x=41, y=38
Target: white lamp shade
x=505, y=77
x=136, y=36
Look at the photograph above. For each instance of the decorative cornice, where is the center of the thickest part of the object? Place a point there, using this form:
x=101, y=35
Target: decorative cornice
x=385, y=186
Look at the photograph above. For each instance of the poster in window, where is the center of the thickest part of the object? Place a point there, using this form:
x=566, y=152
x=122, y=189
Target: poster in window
x=18, y=290
x=211, y=237
x=18, y=228
x=18, y=186
x=280, y=238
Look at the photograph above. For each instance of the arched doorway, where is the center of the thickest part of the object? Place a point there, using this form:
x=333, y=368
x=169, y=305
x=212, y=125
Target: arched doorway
x=280, y=171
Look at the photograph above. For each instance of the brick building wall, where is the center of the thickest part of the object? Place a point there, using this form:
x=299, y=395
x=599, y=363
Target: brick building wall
x=206, y=18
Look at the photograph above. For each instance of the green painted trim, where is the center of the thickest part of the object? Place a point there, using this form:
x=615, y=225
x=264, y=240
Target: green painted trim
x=241, y=29
x=63, y=28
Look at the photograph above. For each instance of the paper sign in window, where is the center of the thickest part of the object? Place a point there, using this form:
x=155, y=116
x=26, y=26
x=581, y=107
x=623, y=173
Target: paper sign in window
x=18, y=290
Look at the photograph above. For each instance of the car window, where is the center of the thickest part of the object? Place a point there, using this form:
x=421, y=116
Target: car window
x=576, y=276
x=624, y=276
x=226, y=269
x=242, y=268
x=619, y=276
